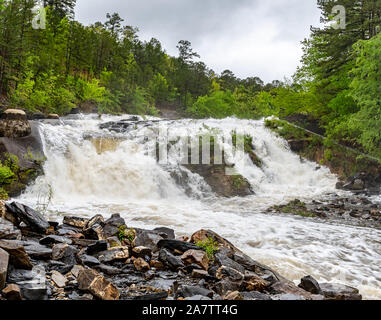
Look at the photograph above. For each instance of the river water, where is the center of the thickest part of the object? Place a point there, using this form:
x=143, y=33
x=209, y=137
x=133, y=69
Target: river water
x=92, y=171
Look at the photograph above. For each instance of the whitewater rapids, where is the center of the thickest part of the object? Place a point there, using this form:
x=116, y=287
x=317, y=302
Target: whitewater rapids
x=92, y=171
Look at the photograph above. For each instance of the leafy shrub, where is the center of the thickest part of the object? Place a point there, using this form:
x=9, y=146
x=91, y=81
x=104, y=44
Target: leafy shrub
x=210, y=246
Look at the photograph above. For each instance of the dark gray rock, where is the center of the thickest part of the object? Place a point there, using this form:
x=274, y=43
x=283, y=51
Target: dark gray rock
x=114, y=254
x=339, y=292
x=223, y=286
x=59, y=266
x=89, y=260
x=8, y=231
x=223, y=260
x=30, y=217
x=112, y=225
x=97, y=247
x=109, y=270
x=151, y=297
x=166, y=233
x=255, y=296
x=52, y=239
x=17, y=254
x=191, y=291
x=75, y=222
x=177, y=245
x=198, y=298
x=65, y=253
x=148, y=239
x=172, y=261
x=310, y=284
x=4, y=260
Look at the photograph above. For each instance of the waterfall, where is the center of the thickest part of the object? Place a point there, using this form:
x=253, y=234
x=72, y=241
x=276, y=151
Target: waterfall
x=90, y=170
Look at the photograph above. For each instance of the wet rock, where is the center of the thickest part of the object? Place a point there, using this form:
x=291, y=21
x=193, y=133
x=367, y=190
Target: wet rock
x=141, y=252
x=52, y=239
x=109, y=270
x=8, y=231
x=91, y=281
x=203, y=235
x=65, y=253
x=4, y=260
x=158, y=265
x=198, y=298
x=12, y=293
x=94, y=228
x=255, y=296
x=185, y=291
x=287, y=297
x=148, y=239
x=177, y=245
x=59, y=266
x=228, y=272
x=256, y=283
x=141, y=265
x=113, y=254
x=17, y=255
x=88, y=260
x=30, y=217
x=59, y=280
x=112, y=225
x=339, y=292
x=76, y=270
x=310, y=284
x=151, y=297
x=97, y=247
x=222, y=184
x=233, y=296
x=196, y=257
x=85, y=297
x=114, y=242
x=222, y=260
x=200, y=274
x=172, y=261
x=53, y=116
x=31, y=282
x=166, y=233
x=76, y=222
x=283, y=287
x=37, y=251
x=224, y=286
x=14, y=124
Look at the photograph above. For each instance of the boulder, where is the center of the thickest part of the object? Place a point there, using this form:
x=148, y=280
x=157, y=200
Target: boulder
x=109, y=270
x=94, y=228
x=339, y=292
x=310, y=284
x=91, y=281
x=283, y=287
x=148, y=239
x=185, y=291
x=52, y=239
x=17, y=254
x=166, y=233
x=141, y=265
x=97, y=247
x=113, y=225
x=229, y=272
x=256, y=283
x=58, y=266
x=177, y=245
x=200, y=274
x=53, y=116
x=4, y=260
x=233, y=296
x=172, y=261
x=196, y=257
x=76, y=222
x=65, y=253
x=8, y=231
x=31, y=282
x=12, y=293
x=113, y=254
x=142, y=252
x=14, y=124
x=224, y=286
x=36, y=250
x=59, y=280
x=203, y=235
x=222, y=260
x=88, y=260
x=30, y=217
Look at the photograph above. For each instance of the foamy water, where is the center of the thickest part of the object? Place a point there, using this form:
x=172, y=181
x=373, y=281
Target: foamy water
x=91, y=171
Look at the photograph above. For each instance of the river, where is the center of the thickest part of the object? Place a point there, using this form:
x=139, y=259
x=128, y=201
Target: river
x=91, y=170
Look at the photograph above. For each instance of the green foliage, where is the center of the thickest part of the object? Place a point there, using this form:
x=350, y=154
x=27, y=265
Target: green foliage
x=210, y=246
x=5, y=174
x=125, y=234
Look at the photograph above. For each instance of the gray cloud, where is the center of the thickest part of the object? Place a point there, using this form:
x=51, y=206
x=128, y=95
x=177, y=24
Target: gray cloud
x=250, y=37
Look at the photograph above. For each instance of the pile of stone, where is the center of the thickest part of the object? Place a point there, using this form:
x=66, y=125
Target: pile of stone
x=94, y=258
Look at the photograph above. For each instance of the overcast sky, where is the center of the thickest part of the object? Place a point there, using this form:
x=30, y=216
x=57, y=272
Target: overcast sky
x=250, y=37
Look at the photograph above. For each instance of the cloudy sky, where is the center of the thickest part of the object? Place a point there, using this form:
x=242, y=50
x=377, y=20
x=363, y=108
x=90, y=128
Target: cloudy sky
x=250, y=37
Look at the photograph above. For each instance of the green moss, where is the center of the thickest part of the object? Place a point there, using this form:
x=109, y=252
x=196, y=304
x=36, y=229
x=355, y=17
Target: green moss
x=210, y=247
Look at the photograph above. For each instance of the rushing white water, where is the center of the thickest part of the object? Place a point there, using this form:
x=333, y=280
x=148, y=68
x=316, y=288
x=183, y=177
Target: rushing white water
x=90, y=171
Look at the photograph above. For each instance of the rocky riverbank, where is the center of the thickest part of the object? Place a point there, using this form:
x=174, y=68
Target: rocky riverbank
x=356, y=210
x=91, y=259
